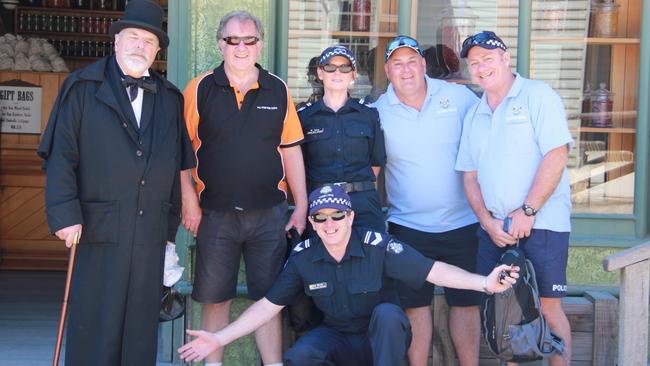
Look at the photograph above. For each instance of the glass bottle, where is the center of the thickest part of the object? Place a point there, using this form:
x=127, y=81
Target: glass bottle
x=101, y=5
x=79, y=4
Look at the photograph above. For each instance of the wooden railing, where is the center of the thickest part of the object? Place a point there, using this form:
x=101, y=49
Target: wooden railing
x=634, y=264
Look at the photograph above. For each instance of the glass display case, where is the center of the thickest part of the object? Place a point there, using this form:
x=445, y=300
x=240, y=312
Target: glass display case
x=588, y=51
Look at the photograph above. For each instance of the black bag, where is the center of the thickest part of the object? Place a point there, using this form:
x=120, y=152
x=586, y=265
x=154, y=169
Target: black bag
x=511, y=321
x=172, y=305
x=303, y=313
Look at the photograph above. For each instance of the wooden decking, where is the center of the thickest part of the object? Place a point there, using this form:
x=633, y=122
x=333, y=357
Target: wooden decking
x=30, y=303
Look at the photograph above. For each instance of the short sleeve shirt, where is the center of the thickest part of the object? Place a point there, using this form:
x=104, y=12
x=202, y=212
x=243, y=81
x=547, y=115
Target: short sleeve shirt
x=348, y=291
x=424, y=190
x=341, y=146
x=506, y=147
x=238, y=139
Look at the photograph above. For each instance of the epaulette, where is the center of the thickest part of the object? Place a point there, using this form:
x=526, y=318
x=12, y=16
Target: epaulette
x=363, y=101
x=373, y=238
x=302, y=246
x=305, y=106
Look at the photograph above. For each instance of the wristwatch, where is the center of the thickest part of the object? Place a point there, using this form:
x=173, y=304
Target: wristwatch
x=528, y=210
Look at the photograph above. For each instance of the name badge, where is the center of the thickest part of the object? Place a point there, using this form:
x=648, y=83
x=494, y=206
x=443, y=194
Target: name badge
x=317, y=286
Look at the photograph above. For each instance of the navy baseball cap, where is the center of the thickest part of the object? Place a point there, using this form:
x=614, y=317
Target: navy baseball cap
x=338, y=50
x=402, y=41
x=329, y=196
x=485, y=39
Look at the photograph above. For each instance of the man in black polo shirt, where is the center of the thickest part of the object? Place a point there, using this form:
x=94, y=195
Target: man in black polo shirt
x=347, y=273
x=246, y=135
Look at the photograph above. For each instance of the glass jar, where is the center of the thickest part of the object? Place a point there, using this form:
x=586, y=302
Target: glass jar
x=604, y=19
x=601, y=107
x=361, y=15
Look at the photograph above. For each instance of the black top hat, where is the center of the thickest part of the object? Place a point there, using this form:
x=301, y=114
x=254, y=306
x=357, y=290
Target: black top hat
x=143, y=14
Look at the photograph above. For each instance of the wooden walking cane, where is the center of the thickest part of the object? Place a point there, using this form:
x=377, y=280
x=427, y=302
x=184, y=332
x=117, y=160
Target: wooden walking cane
x=64, y=307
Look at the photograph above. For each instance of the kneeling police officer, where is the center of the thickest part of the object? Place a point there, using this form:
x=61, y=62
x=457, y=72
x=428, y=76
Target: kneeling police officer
x=349, y=273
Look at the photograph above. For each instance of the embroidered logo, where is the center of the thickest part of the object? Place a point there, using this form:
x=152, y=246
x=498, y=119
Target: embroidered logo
x=317, y=286
x=315, y=131
x=445, y=103
x=518, y=114
x=395, y=247
x=445, y=106
x=267, y=107
x=326, y=190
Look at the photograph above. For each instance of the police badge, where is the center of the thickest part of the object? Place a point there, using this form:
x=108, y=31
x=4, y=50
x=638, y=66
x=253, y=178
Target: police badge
x=395, y=247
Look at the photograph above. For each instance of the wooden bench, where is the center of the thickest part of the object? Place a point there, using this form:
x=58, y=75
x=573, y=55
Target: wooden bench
x=593, y=328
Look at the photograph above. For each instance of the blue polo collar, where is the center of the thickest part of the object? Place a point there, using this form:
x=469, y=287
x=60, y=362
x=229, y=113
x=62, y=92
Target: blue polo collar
x=514, y=92
x=432, y=89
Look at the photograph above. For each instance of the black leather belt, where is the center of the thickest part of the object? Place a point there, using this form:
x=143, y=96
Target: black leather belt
x=349, y=186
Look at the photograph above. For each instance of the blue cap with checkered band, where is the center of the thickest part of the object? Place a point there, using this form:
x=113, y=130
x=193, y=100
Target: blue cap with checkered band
x=329, y=196
x=337, y=50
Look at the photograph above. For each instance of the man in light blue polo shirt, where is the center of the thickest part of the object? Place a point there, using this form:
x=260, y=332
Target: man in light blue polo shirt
x=422, y=122
x=513, y=154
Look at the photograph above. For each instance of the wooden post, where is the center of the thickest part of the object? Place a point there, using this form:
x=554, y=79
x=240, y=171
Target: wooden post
x=605, y=327
x=633, y=323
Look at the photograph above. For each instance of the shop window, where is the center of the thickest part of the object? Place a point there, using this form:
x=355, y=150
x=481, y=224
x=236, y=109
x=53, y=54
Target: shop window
x=365, y=26
x=588, y=51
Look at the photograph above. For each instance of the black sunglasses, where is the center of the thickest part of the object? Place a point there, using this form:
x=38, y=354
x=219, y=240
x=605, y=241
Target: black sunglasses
x=235, y=41
x=346, y=68
x=321, y=217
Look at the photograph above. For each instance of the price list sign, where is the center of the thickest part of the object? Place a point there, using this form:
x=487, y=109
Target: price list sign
x=20, y=109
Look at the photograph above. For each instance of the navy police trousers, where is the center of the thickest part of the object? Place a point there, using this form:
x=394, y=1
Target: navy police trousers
x=384, y=344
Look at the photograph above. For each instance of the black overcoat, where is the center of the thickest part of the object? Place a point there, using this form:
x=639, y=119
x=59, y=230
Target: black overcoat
x=122, y=183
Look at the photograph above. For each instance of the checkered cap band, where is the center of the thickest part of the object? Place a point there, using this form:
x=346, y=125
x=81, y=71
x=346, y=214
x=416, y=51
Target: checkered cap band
x=484, y=39
x=337, y=50
x=329, y=196
x=496, y=43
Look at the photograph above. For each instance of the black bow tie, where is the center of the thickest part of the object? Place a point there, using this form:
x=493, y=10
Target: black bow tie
x=146, y=83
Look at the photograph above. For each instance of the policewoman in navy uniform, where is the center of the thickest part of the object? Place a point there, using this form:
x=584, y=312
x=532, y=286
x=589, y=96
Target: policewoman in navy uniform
x=344, y=143
x=344, y=270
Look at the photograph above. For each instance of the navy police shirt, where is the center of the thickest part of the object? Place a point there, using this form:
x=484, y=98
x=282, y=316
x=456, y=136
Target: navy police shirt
x=341, y=146
x=348, y=291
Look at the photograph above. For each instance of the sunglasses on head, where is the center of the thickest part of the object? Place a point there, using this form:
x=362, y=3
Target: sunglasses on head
x=235, y=41
x=321, y=217
x=346, y=68
x=402, y=41
x=479, y=38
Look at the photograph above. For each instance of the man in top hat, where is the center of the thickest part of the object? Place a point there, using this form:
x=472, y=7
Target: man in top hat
x=422, y=120
x=114, y=147
x=513, y=153
x=349, y=273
